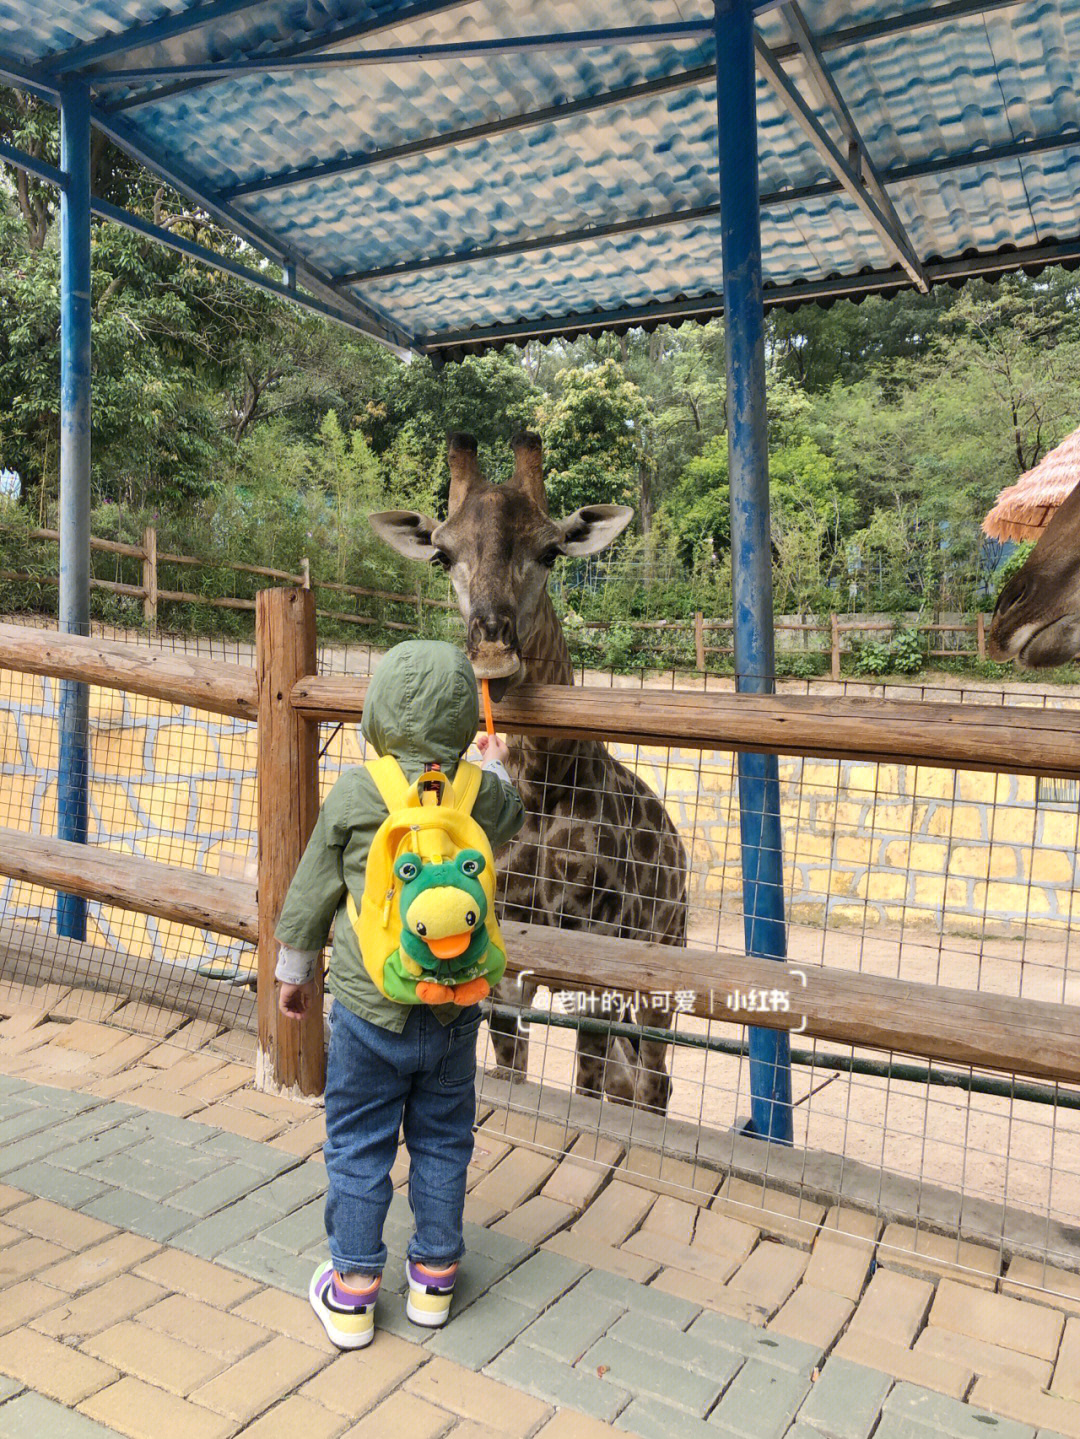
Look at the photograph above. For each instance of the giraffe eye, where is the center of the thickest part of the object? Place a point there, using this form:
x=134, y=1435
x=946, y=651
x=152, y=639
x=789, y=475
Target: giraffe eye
x=441, y=558
x=548, y=558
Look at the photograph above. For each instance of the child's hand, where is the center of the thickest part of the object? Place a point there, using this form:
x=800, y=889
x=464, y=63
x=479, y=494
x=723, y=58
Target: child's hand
x=491, y=747
x=294, y=1000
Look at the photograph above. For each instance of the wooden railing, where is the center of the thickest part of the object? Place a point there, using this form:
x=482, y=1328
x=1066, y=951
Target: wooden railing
x=699, y=628
x=1010, y=1035
x=833, y=626
x=151, y=592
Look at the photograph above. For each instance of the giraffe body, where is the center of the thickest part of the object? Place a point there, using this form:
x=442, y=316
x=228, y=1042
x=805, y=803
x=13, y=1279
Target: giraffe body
x=598, y=850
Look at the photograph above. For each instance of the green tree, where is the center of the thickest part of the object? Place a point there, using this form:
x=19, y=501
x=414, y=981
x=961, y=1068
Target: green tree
x=592, y=439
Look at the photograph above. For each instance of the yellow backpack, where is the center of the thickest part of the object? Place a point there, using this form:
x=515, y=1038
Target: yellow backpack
x=425, y=923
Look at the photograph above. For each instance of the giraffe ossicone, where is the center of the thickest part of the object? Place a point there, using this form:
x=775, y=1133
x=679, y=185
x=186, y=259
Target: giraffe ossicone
x=598, y=850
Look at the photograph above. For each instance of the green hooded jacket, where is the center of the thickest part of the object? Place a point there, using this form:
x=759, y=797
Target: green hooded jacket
x=421, y=707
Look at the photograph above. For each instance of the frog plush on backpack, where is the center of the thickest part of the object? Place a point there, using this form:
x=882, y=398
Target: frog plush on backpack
x=425, y=922
x=446, y=955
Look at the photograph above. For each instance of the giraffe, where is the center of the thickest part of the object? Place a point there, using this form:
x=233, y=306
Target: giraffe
x=1037, y=616
x=598, y=850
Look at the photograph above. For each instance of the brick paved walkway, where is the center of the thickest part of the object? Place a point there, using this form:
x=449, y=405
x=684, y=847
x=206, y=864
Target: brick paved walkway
x=159, y=1221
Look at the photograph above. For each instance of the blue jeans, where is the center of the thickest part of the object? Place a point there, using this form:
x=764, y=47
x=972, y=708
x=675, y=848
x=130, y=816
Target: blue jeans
x=376, y=1082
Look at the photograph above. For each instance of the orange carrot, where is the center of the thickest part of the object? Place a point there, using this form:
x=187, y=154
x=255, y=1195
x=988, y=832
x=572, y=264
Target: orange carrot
x=489, y=719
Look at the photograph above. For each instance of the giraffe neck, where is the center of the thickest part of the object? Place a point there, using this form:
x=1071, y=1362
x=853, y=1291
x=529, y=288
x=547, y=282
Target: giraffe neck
x=545, y=661
x=545, y=655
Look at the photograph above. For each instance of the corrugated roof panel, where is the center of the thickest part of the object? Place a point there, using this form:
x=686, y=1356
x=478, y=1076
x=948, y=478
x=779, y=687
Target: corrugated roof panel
x=919, y=93
x=662, y=264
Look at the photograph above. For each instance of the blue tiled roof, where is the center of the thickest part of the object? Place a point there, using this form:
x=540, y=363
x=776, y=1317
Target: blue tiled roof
x=968, y=111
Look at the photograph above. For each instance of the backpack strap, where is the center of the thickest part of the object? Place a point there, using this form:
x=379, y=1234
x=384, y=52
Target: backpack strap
x=395, y=789
x=390, y=781
x=467, y=781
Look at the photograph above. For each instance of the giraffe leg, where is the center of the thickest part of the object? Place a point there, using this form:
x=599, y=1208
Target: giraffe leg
x=653, y=1089
x=509, y=1040
x=606, y=1066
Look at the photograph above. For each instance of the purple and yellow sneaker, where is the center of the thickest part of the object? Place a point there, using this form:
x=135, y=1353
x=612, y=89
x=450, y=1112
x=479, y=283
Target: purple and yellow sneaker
x=347, y=1315
x=430, y=1292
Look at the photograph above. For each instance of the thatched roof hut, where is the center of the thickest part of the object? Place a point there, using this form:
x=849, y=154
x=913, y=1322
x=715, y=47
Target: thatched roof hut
x=1023, y=510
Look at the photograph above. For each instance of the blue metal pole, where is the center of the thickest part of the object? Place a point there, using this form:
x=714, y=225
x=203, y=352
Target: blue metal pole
x=751, y=553
x=73, y=777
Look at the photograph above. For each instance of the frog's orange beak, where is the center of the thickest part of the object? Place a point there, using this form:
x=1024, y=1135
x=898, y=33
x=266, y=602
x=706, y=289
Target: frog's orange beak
x=451, y=946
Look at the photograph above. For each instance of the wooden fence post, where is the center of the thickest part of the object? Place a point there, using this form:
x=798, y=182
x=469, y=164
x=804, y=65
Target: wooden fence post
x=305, y=573
x=980, y=634
x=291, y=1056
x=699, y=639
x=149, y=577
x=834, y=625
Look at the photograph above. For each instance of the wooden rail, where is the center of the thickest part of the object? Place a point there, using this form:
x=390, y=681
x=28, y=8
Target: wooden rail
x=984, y=737
x=949, y=1025
x=207, y=901
x=957, y=1026
x=150, y=591
x=180, y=679
x=699, y=628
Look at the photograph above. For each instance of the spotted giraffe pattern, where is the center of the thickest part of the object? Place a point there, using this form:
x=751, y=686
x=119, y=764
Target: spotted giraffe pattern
x=598, y=852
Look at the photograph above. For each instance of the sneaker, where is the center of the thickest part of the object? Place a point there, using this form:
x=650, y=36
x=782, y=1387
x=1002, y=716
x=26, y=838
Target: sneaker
x=348, y=1316
x=429, y=1294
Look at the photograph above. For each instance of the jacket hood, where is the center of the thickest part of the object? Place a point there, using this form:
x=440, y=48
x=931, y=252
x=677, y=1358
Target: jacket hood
x=422, y=706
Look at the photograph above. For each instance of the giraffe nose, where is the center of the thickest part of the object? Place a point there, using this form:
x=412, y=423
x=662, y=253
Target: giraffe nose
x=492, y=627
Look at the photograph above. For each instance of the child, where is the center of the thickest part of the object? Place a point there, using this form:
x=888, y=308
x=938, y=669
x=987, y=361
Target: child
x=390, y=1064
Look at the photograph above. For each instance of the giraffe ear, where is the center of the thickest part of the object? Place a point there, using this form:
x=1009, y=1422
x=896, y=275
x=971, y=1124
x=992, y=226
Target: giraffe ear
x=589, y=530
x=405, y=531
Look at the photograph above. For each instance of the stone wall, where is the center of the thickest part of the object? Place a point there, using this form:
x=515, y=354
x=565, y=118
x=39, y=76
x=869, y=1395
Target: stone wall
x=875, y=844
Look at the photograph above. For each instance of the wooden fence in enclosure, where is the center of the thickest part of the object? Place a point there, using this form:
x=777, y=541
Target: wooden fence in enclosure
x=151, y=592
x=287, y=699
x=835, y=627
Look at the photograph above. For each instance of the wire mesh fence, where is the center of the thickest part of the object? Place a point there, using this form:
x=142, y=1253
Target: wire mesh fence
x=942, y=877
x=165, y=782
x=939, y=876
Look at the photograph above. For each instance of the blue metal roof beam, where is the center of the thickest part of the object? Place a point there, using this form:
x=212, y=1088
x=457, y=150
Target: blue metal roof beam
x=574, y=237
x=408, y=54
x=33, y=166
x=193, y=251
x=15, y=70
x=829, y=91
x=708, y=307
x=550, y=114
x=340, y=35
x=286, y=290
x=883, y=219
x=921, y=170
x=381, y=326
x=138, y=37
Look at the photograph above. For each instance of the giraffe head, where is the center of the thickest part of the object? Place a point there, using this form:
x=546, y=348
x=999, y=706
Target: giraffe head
x=1037, y=617
x=499, y=543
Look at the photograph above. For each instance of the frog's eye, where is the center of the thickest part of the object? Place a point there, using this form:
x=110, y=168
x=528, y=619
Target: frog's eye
x=471, y=863
x=407, y=867
x=470, y=918
x=421, y=929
